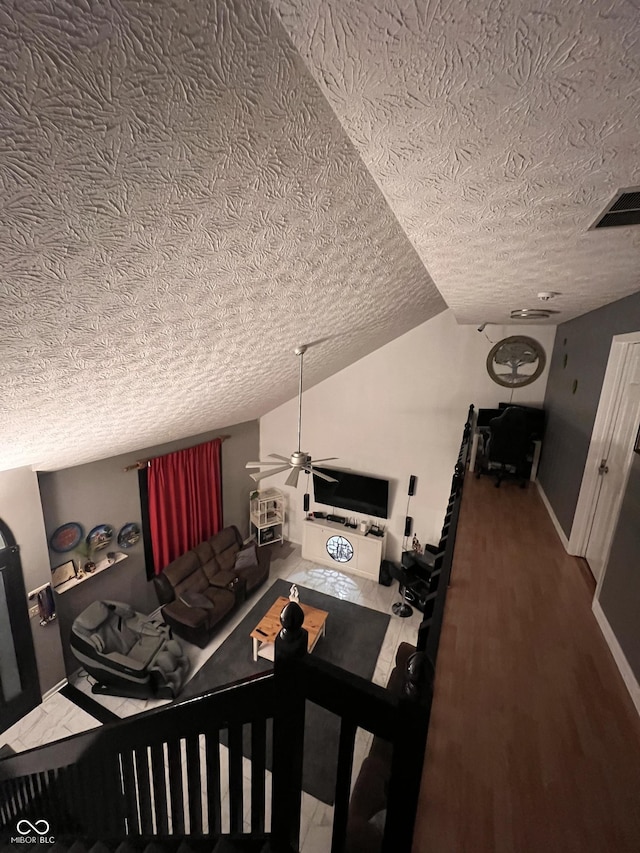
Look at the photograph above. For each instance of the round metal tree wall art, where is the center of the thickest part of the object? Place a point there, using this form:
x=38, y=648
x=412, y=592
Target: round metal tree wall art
x=523, y=358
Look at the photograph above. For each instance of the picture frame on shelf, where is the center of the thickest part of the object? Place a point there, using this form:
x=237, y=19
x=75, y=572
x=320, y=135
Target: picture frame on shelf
x=63, y=573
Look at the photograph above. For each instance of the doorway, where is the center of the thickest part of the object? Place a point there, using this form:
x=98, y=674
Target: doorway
x=609, y=458
x=19, y=684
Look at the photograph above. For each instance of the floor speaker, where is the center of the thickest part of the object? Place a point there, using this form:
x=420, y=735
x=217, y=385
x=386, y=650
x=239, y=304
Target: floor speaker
x=385, y=574
x=408, y=522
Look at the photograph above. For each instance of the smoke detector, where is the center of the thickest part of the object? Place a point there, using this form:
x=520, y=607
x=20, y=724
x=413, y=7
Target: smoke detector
x=546, y=295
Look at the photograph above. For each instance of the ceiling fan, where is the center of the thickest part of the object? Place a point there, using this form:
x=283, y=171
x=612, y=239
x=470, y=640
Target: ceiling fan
x=300, y=459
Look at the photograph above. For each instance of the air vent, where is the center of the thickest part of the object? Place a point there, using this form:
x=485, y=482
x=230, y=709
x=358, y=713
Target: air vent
x=623, y=210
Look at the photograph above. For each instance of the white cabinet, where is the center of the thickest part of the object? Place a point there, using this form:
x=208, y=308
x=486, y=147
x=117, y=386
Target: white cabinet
x=344, y=548
x=266, y=516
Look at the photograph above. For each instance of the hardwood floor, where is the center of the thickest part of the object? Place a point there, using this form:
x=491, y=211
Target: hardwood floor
x=534, y=743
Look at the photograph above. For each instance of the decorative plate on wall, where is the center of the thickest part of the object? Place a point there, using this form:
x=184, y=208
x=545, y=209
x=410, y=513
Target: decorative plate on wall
x=129, y=534
x=100, y=537
x=523, y=357
x=66, y=537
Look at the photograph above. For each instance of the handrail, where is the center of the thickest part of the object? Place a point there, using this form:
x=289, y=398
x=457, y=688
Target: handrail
x=450, y=528
x=160, y=721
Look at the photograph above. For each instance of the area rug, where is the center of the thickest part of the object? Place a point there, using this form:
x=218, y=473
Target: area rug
x=354, y=636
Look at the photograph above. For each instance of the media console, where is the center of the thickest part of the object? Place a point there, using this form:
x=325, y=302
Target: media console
x=332, y=544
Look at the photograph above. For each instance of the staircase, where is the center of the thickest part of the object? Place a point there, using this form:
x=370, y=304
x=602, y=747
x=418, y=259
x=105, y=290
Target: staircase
x=152, y=782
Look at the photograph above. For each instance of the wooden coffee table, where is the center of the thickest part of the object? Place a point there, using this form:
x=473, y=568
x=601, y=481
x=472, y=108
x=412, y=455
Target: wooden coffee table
x=267, y=629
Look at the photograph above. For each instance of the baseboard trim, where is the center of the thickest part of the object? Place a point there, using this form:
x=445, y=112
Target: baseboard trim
x=631, y=682
x=58, y=687
x=552, y=516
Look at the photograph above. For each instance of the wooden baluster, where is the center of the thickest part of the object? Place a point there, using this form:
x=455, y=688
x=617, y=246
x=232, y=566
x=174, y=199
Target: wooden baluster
x=144, y=790
x=258, y=765
x=159, y=789
x=212, y=758
x=194, y=784
x=236, y=816
x=174, y=755
x=130, y=798
x=348, y=730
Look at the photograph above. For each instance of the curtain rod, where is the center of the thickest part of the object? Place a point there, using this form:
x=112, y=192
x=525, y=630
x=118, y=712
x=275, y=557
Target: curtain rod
x=142, y=463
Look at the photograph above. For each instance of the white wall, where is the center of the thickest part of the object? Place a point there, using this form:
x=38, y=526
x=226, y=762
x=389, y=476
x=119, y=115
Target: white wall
x=396, y=412
x=21, y=510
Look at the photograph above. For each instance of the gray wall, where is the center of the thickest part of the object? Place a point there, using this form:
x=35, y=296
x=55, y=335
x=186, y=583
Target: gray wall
x=20, y=509
x=103, y=493
x=585, y=342
x=620, y=591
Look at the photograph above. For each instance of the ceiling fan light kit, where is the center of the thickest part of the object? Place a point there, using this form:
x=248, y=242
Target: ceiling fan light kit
x=299, y=460
x=532, y=313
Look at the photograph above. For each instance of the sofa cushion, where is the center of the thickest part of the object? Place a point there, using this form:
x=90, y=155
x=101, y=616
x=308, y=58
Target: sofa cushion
x=211, y=570
x=224, y=539
x=180, y=613
x=181, y=568
x=204, y=552
x=226, y=559
x=226, y=545
x=195, y=599
x=195, y=582
x=223, y=579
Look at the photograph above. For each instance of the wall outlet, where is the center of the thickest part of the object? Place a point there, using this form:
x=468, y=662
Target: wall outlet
x=33, y=611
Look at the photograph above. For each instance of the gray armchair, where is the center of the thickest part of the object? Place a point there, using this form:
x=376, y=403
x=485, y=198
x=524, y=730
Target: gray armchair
x=127, y=653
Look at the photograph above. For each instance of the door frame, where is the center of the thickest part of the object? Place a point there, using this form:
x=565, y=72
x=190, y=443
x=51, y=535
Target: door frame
x=610, y=399
x=20, y=625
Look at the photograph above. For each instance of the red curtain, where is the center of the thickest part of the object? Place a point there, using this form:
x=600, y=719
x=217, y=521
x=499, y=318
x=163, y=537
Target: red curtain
x=185, y=500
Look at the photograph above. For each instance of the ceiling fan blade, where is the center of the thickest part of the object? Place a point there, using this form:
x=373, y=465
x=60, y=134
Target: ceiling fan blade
x=277, y=456
x=326, y=459
x=262, y=463
x=292, y=479
x=323, y=476
x=262, y=474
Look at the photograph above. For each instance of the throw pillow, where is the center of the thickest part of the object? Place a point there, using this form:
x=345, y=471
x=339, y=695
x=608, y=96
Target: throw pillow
x=196, y=599
x=246, y=558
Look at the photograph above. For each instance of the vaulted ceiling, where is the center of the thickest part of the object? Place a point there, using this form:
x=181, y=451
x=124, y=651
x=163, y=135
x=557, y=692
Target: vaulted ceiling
x=188, y=190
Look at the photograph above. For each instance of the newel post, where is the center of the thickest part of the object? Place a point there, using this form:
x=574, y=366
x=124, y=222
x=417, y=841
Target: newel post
x=288, y=728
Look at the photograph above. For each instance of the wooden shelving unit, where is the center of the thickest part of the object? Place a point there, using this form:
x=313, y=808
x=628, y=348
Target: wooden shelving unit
x=266, y=516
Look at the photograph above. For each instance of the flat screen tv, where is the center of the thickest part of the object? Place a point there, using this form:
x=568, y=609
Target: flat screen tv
x=353, y=492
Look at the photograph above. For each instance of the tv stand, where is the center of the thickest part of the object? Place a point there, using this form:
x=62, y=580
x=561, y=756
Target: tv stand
x=332, y=544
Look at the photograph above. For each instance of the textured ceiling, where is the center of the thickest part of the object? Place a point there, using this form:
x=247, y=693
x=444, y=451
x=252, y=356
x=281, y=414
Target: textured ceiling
x=188, y=190
x=498, y=131
x=179, y=209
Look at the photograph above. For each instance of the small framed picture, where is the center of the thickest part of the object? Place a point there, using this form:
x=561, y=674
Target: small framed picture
x=636, y=446
x=62, y=574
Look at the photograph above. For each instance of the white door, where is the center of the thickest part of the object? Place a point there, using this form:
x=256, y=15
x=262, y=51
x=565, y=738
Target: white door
x=614, y=464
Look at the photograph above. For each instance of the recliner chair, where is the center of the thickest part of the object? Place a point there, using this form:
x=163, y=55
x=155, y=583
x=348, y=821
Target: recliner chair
x=128, y=653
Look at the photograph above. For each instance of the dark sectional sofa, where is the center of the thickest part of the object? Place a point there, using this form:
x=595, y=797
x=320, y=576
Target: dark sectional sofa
x=200, y=588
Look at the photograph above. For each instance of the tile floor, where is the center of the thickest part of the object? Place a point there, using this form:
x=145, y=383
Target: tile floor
x=57, y=717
